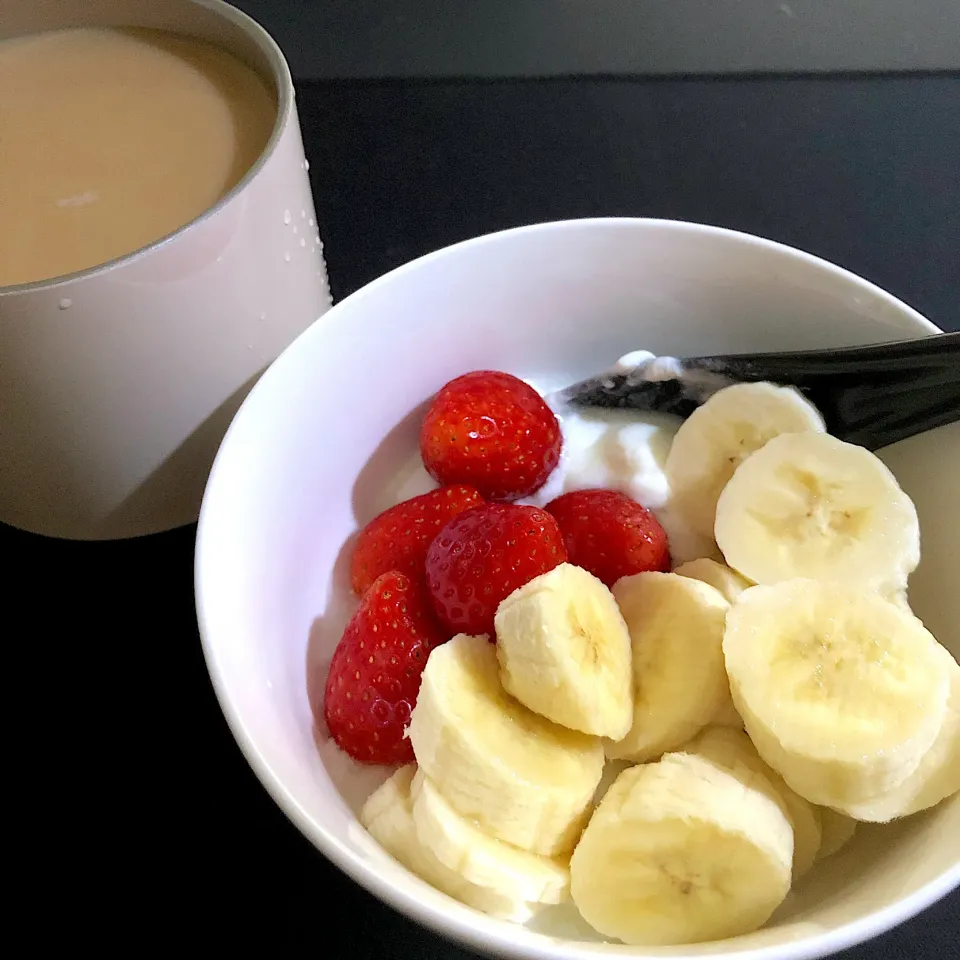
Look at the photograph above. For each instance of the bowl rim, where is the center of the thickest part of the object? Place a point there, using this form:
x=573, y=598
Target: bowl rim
x=482, y=933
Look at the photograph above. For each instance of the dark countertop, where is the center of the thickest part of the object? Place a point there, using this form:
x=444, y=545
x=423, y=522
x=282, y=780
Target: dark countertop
x=141, y=809
x=336, y=39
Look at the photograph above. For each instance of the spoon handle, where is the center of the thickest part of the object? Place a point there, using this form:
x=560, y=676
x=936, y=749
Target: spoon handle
x=936, y=357
x=872, y=396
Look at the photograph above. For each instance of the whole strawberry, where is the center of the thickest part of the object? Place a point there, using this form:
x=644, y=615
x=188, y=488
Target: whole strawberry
x=375, y=672
x=609, y=534
x=398, y=538
x=492, y=431
x=482, y=556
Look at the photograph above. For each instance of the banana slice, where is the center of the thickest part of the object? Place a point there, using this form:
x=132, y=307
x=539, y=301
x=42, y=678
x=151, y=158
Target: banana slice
x=841, y=692
x=718, y=575
x=938, y=774
x=611, y=771
x=388, y=816
x=522, y=778
x=685, y=543
x=676, y=629
x=681, y=851
x=836, y=831
x=733, y=750
x=726, y=715
x=898, y=597
x=731, y=585
x=480, y=859
x=718, y=436
x=809, y=505
x=564, y=652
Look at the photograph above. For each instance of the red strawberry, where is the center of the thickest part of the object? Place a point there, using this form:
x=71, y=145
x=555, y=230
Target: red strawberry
x=482, y=556
x=492, y=431
x=609, y=534
x=375, y=673
x=398, y=538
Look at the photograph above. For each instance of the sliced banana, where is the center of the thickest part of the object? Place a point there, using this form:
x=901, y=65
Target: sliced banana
x=676, y=628
x=685, y=543
x=836, y=831
x=841, y=692
x=809, y=505
x=731, y=585
x=393, y=792
x=726, y=715
x=564, y=652
x=733, y=750
x=718, y=436
x=681, y=851
x=522, y=778
x=898, y=597
x=611, y=771
x=388, y=816
x=723, y=578
x=460, y=845
x=938, y=774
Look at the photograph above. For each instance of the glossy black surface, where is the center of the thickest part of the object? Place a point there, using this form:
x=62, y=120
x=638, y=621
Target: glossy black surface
x=144, y=821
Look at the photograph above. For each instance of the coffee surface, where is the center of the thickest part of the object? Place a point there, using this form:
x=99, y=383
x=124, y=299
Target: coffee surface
x=111, y=139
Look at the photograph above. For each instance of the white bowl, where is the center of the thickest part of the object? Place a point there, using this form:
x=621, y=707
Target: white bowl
x=328, y=437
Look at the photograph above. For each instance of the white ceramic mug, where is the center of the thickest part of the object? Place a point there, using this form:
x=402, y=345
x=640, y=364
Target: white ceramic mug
x=117, y=383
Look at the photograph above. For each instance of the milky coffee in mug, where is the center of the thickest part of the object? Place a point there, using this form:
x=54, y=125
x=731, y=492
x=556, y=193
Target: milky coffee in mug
x=115, y=138
x=158, y=249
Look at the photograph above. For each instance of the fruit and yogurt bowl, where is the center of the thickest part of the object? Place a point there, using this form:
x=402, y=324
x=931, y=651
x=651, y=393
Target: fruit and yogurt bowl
x=587, y=686
x=771, y=686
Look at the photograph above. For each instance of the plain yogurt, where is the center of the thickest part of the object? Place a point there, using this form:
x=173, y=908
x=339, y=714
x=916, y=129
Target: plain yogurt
x=623, y=450
x=644, y=365
x=615, y=449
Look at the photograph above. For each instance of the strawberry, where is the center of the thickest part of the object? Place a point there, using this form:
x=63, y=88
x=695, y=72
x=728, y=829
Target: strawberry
x=375, y=673
x=609, y=534
x=492, y=431
x=482, y=556
x=398, y=538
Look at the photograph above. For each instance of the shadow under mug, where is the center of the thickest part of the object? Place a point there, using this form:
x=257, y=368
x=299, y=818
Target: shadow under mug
x=118, y=383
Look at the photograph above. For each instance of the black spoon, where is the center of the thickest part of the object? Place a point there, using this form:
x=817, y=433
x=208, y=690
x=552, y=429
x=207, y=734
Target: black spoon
x=872, y=396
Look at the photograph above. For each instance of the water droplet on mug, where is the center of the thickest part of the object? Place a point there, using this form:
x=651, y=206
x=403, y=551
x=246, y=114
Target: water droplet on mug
x=263, y=316
x=286, y=216
x=286, y=257
x=295, y=229
x=303, y=214
x=306, y=164
x=66, y=303
x=303, y=242
x=310, y=221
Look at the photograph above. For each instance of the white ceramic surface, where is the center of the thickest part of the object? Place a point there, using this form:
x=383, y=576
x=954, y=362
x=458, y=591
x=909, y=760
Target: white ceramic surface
x=117, y=383
x=329, y=437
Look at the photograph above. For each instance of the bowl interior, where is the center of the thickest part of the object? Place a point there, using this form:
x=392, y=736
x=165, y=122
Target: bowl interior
x=329, y=437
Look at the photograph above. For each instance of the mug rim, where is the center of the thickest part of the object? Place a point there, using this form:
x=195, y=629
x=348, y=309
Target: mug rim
x=283, y=79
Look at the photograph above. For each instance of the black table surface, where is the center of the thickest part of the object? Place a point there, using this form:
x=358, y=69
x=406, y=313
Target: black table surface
x=138, y=801
x=524, y=38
